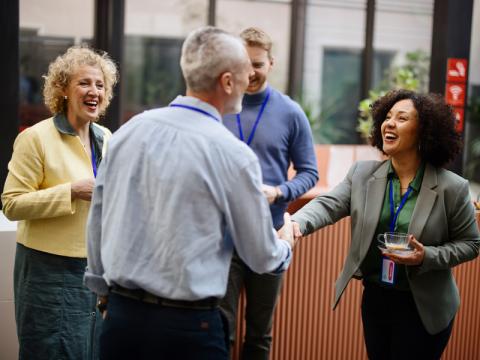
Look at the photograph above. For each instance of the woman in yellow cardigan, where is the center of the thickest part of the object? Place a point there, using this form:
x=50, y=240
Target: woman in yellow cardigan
x=48, y=190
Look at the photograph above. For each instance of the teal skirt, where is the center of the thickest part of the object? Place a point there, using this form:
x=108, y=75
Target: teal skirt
x=55, y=313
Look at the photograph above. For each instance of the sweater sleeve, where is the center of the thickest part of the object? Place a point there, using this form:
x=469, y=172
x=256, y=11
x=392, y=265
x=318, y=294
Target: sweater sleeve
x=302, y=154
x=22, y=197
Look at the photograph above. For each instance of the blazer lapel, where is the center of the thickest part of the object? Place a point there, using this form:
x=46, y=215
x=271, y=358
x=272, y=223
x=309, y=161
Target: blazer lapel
x=425, y=201
x=373, y=204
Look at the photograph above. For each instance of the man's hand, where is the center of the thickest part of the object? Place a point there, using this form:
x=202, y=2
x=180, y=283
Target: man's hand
x=82, y=189
x=271, y=193
x=414, y=258
x=287, y=231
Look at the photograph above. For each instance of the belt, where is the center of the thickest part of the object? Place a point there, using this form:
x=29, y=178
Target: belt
x=146, y=297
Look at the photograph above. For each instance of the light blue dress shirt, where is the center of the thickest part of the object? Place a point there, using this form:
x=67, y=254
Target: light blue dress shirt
x=172, y=182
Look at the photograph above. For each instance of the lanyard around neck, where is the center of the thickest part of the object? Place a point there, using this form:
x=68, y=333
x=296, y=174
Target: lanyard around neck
x=393, y=213
x=193, y=108
x=257, y=120
x=94, y=161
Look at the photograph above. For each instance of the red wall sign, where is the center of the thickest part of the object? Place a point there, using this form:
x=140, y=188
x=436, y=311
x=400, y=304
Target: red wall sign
x=457, y=70
x=459, y=113
x=455, y=94
x=455, y=88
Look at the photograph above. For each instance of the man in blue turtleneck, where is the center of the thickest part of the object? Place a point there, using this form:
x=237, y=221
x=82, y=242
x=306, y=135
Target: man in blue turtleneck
x=277, y=130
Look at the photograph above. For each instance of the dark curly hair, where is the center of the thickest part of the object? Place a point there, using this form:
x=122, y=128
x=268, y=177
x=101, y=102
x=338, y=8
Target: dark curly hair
x=439, y=141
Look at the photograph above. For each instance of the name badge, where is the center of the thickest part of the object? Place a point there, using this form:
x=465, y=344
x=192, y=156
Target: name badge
x=388, y=271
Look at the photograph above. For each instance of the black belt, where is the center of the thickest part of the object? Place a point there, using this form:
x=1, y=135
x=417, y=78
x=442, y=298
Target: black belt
x=144, y=296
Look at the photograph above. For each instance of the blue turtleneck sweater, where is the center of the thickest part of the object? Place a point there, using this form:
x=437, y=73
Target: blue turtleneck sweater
x=282, y=135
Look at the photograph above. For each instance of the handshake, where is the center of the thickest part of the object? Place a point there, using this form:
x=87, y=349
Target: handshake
x=290, y=231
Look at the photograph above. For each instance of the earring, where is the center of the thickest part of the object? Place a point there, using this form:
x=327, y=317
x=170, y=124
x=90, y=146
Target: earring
x=65, y=97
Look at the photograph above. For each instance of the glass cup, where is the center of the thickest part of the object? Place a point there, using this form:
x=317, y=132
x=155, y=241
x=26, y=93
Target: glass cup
x=394, y=240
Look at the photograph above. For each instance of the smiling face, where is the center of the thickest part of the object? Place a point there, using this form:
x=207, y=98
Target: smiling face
x=400, y=129
x=262, y=65
x=85, y=94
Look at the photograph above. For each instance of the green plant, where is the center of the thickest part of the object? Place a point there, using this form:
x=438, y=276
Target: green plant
x=309, y=110
x=316, y=120
x=412, y=75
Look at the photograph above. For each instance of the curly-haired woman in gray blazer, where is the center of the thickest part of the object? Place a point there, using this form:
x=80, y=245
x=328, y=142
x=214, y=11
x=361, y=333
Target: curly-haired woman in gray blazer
x=409, y=300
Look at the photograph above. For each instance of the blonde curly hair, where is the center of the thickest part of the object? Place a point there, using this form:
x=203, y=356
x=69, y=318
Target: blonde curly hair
x=60, y=72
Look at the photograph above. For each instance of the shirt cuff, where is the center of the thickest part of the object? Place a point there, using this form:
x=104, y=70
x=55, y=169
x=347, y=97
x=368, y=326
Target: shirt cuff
x=285, y=263
x=96, y=283
x=285, y=192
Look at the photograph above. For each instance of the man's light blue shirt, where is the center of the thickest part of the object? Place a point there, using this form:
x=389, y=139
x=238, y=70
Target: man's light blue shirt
x=172, y=182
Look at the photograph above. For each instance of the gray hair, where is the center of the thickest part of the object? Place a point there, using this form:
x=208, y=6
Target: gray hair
x=208, y=52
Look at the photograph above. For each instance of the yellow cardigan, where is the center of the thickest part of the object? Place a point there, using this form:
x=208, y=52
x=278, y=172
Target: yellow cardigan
x=47, y=158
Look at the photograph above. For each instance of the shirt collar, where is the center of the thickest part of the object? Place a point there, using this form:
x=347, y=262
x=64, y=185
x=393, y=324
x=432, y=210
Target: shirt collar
x=196, y=102
x=258, y=98
x=63, y=125
x=416, y=183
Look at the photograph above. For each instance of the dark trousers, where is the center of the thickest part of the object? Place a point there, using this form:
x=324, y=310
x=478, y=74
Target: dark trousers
x=262, y=293
x=55, y=313
x=136, y=330
x=393, y=328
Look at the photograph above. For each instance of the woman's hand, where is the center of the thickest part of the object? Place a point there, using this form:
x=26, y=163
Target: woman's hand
x=286, y=232
x=290, y=231
x=82, y=189
x=414, y=258
x=297, y=234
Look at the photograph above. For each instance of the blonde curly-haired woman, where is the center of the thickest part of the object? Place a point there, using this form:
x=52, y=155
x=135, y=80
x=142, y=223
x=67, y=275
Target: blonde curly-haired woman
x=48, y=190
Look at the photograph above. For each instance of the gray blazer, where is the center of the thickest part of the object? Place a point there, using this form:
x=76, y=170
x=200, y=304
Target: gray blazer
x=443, y=220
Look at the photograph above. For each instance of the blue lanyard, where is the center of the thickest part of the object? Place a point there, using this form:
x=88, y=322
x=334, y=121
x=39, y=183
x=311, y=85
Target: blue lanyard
x=260, y=113
x=94, y=162
x=393, y=213
x=193, y=108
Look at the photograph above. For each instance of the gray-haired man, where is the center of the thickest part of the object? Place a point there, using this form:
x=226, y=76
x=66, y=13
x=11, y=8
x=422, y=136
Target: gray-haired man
x=173, y=181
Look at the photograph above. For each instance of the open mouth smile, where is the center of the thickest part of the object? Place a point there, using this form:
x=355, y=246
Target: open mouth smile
x=389, y=137
x=91, y=104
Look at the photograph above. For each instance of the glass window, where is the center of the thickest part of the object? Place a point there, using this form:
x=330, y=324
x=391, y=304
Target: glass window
x=47, y=29
x=471, y=169
x=152, y=74
x=334, y=39
x=341, y=93
x=404, y=29
x=272, y=16
x=154, y=33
